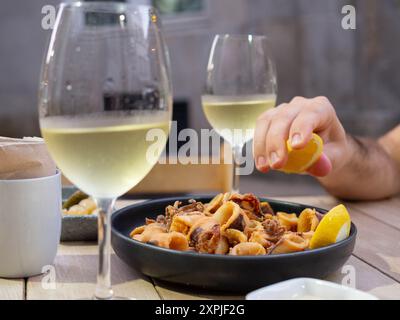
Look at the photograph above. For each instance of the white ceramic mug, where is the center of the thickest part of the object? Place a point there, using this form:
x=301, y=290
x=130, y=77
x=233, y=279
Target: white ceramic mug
x=30, y=225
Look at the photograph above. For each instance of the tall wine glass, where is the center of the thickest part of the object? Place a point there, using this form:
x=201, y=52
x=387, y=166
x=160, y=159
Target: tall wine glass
x=240, y=85
x=105, y=83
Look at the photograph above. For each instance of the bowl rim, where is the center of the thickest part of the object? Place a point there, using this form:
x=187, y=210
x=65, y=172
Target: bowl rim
x=120, y=212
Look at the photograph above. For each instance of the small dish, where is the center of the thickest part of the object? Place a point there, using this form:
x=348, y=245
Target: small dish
x=77, y=227
x=308, y=289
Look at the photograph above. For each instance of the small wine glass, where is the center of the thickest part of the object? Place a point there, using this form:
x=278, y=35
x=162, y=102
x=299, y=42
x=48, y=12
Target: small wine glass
x=240, y=85
x=105, y=84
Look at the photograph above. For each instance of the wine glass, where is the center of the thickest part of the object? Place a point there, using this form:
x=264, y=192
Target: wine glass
x=240, y=85
x=105, y=85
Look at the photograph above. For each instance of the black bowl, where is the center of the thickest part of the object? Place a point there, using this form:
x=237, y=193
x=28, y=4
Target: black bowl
x=220, y=272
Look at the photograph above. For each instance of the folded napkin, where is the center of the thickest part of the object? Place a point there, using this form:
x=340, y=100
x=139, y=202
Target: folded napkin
x=24, y=159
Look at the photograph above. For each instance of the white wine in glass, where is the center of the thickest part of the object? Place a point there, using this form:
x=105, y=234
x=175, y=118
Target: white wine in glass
x=240, y=86
x=105, y=84
x=78, y=148
x=237, y=112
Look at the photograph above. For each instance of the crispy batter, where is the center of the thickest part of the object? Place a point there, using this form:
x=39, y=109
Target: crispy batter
x=273, y=230
x=193, y=206
x=205, y=235
x=250, y=203
x=266, y=208
x=260, y=237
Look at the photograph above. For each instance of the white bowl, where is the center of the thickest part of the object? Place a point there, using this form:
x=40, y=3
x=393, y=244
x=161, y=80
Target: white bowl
x=308, y=289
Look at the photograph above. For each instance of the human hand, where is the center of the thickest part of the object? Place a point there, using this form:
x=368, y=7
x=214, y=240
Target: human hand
x=296, y=121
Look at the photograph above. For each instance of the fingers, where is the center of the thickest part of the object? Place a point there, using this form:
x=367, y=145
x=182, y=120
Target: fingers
x=315, y=118
x=276, y=143
x=277, y=135
x=260, y=135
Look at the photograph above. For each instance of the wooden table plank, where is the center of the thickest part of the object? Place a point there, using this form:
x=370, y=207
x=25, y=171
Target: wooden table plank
x=75, y=270
x=325, y=202
x=12, y=289
x=386, y=211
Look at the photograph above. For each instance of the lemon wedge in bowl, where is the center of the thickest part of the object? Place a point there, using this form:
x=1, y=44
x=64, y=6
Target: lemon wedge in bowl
x=334, y=227
x=299, y=160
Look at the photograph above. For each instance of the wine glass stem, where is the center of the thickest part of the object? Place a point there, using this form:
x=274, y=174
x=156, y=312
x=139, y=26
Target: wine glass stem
x=103, y=286
x=236, y=153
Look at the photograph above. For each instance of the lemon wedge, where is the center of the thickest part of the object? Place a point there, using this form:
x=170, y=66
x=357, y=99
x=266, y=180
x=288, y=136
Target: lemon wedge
x=334, y=227
x=300, y=160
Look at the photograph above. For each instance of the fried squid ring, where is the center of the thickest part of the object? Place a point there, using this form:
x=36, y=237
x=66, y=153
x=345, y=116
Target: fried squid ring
x=156, y=234
x=222, y=246
x=171, y=240
x=192, y=207
x=306, y=235
x=205, y=235
x=273, y=230
x=253, y=226
x=250, y=203
x=247, y=249
x=144, y=232
x=288, y=220
x=230, y=216
x=227, y=195
x=266, y=208
x=261, y=237
x=170, y=212
x=183, y=223
x=234, y=236
x=308, y=220
x=215, y=203
x=290, y=242
x=138, y=230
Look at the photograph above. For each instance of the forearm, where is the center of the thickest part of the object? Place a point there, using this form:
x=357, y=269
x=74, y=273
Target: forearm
x=367, y=172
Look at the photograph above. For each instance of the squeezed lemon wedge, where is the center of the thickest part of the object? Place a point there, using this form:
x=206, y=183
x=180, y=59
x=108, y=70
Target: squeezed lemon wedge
x=334, y=227
x=300, y=160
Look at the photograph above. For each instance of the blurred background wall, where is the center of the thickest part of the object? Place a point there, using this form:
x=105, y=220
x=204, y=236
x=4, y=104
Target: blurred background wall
x=358, y=70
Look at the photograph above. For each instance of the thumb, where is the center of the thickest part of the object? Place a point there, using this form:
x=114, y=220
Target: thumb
x=322, y=167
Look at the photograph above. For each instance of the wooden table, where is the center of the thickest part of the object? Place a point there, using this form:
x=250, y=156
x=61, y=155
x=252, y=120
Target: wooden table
x=375, y=262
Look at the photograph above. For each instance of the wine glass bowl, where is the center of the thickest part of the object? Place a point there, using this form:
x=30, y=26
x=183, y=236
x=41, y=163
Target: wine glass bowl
x=240, y=85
